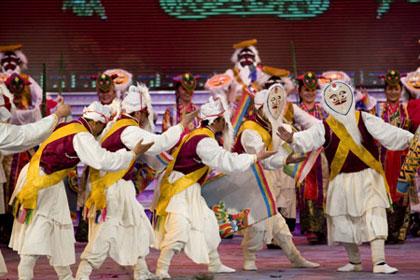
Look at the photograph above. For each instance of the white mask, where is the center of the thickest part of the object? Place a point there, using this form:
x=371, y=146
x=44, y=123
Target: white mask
x=338, y=97
x=276, y=99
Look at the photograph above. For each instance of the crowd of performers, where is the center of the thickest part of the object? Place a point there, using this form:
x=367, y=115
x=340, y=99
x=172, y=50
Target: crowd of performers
x=348, y=164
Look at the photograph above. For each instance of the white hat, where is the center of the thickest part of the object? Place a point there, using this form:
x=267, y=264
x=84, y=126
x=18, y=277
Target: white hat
x=137, y=99
x=212, y=110
x=97, y=112
x=259, y=98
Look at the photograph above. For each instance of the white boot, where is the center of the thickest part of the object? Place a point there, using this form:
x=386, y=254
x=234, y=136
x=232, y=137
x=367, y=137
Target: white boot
x=377, y=248
x=216, y=266
x=384, y=268
x=64, y=272
x=292, y=253
x=350, y=268
x=249, y=260
x=141, y=271
x=301, y=262
x=162, y=268
x=355, y=263
x=84, y=270
x=26, y=267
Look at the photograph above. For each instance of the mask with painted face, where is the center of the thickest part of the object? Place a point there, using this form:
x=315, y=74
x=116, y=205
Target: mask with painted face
x=10, y=62
x=338, y=97
x=276, y=100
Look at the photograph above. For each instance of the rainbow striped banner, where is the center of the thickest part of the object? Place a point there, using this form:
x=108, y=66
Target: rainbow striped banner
x=242, y=192
x=241, y=111
x=300, y=170
x=164, y=158
x=266, y=193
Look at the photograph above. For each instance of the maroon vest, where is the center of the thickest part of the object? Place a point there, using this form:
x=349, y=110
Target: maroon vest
x=352, y=163
x=60, y=154
x=113, y=143
x=188, y=161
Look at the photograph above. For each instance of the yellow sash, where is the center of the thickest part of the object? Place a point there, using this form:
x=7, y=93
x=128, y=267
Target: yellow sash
x=99, y=184
x=266, y=137
x=289, y=114
x=28, y=196
x=346, y=145
x=168, y=190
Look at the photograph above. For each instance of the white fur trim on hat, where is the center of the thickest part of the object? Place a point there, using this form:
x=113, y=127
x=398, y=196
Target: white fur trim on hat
x=411, y=82
x=122, y=81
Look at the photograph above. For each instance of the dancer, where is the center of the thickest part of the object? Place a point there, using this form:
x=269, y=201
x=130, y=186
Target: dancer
x=357, y=195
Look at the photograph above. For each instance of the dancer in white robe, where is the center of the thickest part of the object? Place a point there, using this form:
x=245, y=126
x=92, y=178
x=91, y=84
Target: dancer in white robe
x=15, y=138
x=257, y=134
x=184, y=221
x=43, y=226
x=357, y=195
x=126, y=233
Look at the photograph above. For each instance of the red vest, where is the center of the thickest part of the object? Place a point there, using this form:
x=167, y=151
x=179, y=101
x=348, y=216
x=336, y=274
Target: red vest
x=188, y=161
x=113, y=143
x=60, y=154
x=352, y=163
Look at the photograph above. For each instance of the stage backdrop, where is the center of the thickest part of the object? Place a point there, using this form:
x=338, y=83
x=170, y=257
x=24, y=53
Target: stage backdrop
x=157, y=39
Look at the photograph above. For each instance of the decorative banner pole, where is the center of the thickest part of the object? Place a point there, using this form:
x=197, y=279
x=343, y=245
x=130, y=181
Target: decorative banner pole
x=44, y=90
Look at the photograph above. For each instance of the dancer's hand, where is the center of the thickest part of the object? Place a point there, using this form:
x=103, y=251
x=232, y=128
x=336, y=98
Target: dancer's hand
x=265, y=154
x=285, y=135
x=186, y=119
x=140, y=148
x=63, y=110
x=294, y=158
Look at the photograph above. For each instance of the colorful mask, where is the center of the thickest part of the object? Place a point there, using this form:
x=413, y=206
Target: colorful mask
x=10, y=61
x=246, y=57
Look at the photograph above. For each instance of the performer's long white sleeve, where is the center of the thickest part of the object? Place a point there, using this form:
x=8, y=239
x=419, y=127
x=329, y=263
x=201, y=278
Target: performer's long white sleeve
x=303, y=118
x=17, y=138
x=310, y=139
x=162, y=142
x=91, y=153
x=253, y=143
x=218, y=158
x=391, y=137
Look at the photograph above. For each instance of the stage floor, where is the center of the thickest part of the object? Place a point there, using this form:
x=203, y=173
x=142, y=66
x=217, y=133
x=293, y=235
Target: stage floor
x=272, y=264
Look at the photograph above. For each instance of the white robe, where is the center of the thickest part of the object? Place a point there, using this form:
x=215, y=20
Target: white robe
x=356, y=201
x=15, y=139
x=276, y=225
x=190, y=221
x=126, y=234
x=51, y=231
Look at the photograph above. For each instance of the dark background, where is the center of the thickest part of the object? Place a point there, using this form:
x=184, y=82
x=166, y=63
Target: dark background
x=140, y=37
